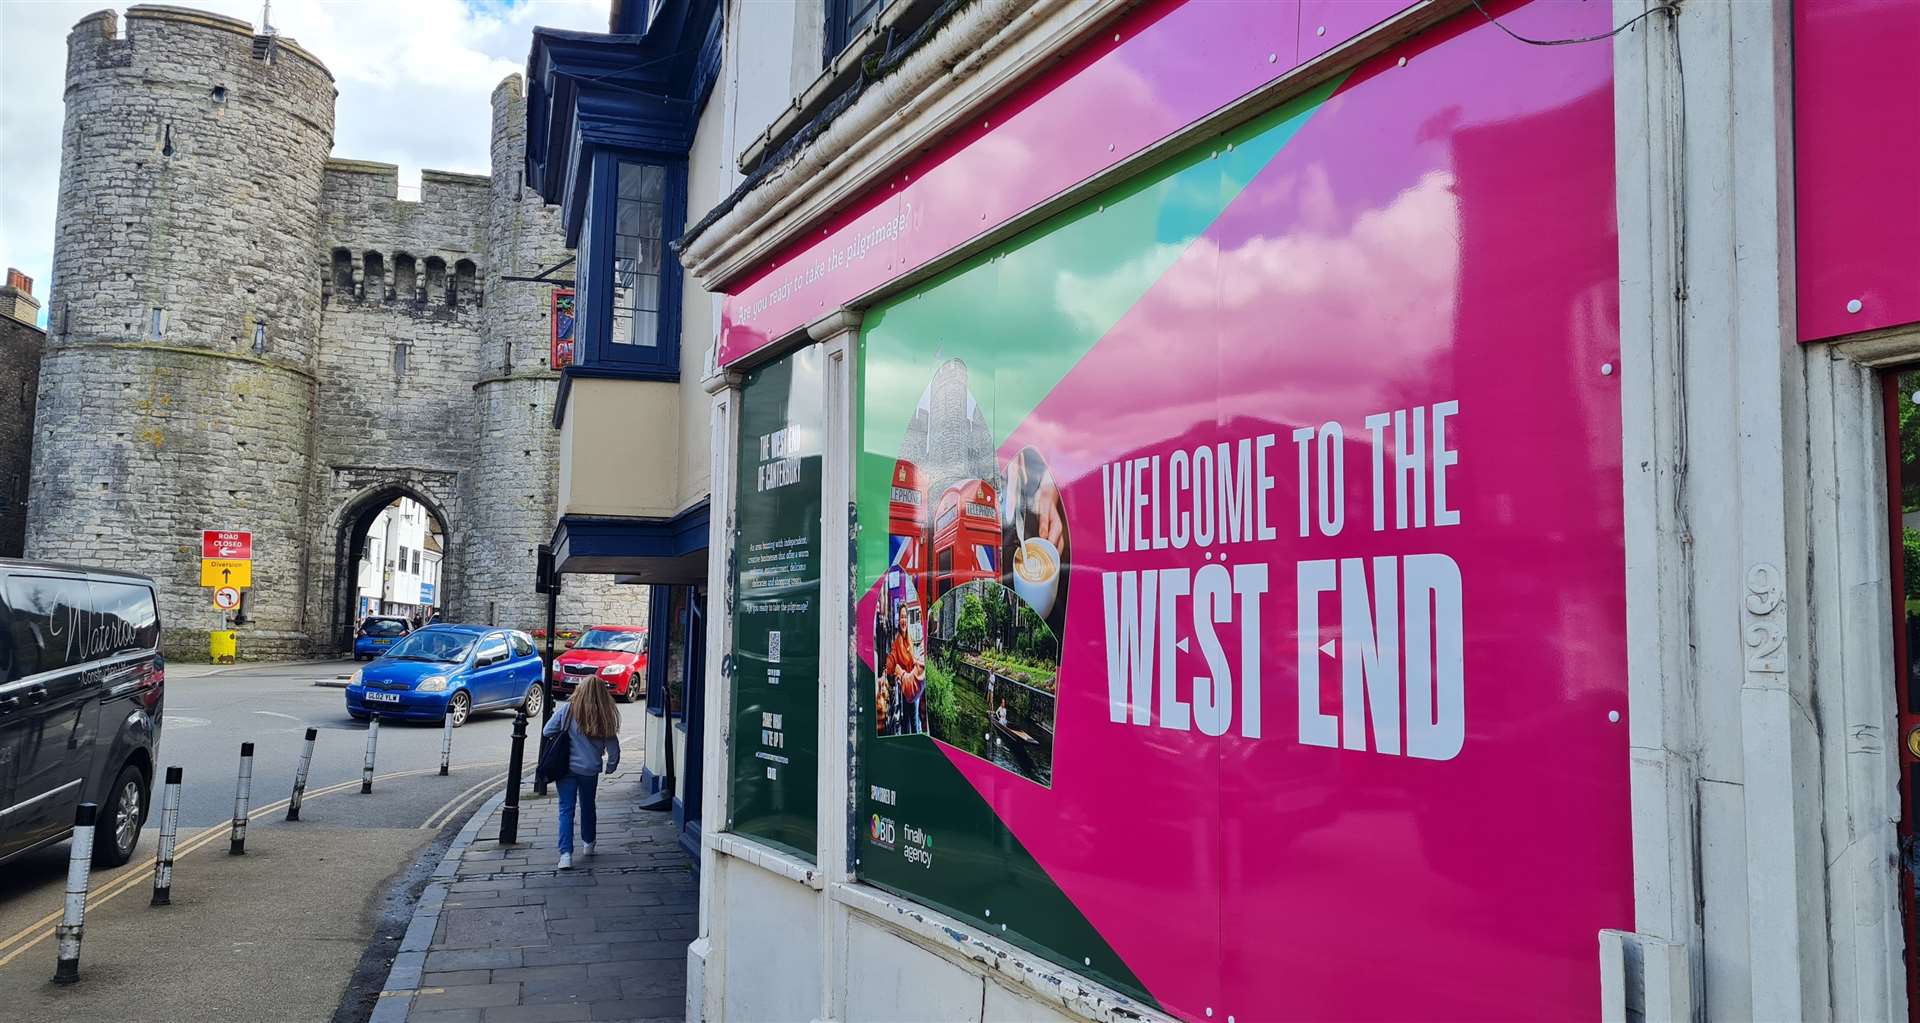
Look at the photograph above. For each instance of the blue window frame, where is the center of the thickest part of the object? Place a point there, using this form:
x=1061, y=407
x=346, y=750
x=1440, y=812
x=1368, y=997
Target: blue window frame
x=629, y=285
x=847, y=19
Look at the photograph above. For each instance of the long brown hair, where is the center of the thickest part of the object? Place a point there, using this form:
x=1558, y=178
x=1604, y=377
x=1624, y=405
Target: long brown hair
x=593, y=710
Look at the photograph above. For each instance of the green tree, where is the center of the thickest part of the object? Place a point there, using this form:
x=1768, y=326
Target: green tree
x=970, y=629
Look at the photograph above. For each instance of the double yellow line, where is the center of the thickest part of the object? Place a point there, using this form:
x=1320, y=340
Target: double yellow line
x=440, y=817
x=14, y=945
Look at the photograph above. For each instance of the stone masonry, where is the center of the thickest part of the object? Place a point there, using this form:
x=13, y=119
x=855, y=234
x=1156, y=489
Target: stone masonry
x=247, y=334
x=21, y=341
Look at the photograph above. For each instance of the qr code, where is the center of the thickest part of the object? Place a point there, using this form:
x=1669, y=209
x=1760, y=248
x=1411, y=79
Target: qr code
x=773, y=646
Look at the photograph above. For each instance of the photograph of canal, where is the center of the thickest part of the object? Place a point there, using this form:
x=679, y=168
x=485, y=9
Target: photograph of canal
x=990, y=670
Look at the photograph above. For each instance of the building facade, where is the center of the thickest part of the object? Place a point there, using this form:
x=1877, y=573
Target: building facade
x=283, y=344
x=21, y=341
x=1246, y=511
x=399, y=574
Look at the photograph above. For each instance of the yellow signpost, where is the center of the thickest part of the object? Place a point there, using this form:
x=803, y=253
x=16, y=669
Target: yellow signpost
x=234, y=572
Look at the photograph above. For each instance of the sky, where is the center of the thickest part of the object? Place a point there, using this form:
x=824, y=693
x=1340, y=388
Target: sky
x=415, y=77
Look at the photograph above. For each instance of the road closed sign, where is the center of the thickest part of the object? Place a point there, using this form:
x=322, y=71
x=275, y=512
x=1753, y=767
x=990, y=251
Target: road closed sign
x=226, y=544
x=233, y=572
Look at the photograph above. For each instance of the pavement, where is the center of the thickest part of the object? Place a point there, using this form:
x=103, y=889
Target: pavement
x=303, y=926
x=502, y=935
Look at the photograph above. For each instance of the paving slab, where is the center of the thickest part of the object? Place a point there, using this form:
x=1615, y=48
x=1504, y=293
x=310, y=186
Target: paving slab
x=514, y=938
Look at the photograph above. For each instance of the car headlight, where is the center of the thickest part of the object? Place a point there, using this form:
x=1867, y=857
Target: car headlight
x=354, y=679
x=613, y=670
x=432, y=684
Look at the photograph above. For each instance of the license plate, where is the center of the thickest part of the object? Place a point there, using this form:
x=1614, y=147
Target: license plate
x=384, y=697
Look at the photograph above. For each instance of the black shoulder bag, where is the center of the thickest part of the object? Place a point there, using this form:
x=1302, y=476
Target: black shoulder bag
x=556, y=752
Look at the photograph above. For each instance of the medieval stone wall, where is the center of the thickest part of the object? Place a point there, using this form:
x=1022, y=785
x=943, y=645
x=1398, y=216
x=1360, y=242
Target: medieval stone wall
x=402, y=313
x=246, y=334
x=177, y=386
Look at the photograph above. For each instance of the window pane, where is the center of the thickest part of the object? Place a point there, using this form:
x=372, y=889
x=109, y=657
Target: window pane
x=638, y=251
x=48, y=619
x=124, y=618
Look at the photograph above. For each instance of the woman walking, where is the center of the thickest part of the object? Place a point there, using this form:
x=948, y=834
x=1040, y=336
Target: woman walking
x=593, y=730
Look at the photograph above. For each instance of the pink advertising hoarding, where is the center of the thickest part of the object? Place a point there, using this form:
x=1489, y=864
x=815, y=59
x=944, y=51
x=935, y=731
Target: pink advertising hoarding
x=1160, y=68
x=1856, y=123
x=1248, y=628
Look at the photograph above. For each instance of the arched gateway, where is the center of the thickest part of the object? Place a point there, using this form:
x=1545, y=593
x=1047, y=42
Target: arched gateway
x=350, y=526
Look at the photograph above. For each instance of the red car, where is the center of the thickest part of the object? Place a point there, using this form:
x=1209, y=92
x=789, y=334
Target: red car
x=617, y=653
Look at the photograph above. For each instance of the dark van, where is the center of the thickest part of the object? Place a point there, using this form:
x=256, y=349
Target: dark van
x=81, y=680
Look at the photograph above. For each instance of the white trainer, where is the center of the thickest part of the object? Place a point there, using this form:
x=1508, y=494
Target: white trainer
x=587, y=850
x=566, y=861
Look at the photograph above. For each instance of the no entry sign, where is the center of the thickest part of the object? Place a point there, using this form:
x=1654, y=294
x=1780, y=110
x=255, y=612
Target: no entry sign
x=226, y=543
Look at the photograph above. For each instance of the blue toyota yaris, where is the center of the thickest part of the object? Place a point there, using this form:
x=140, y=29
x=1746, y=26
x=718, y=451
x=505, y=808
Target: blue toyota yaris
x=448, y=670
x=378, y=634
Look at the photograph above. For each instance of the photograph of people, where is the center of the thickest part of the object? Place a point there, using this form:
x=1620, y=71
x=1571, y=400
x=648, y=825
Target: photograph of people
x=1036, y=549
x=902, y=687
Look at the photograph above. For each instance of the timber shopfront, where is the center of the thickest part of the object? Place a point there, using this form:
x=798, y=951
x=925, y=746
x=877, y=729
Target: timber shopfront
x=1209, y=535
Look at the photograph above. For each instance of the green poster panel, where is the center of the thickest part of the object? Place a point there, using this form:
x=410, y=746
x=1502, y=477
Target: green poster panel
x=776, y=589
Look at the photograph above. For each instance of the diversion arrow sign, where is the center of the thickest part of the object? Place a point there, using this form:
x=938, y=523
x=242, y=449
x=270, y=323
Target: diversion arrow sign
x=229, y=572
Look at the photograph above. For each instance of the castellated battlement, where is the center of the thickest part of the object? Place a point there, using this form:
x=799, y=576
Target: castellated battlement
x=379, y=247
x=182, y=31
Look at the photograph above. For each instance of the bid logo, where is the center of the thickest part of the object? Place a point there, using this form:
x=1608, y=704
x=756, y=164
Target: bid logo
x=880, y=829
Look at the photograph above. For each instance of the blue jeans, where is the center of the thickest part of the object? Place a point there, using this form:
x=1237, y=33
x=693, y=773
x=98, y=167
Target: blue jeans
x=581, y=786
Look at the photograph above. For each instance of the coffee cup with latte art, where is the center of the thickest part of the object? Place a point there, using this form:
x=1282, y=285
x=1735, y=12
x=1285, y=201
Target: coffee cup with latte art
x=1036, y=574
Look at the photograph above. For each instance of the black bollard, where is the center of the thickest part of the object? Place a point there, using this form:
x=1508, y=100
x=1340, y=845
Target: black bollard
x=79, y=863
x=510, y=813
x=300, y=775
x=169, y=829
x=242, y=796
x=366, y=769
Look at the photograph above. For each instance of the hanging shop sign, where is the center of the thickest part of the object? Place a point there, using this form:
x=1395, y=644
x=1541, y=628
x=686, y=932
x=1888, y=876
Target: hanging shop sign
x=776, y=592
x=1242, y=602
x=561, y=321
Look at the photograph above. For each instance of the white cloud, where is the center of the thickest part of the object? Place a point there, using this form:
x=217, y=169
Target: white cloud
x=414, y=79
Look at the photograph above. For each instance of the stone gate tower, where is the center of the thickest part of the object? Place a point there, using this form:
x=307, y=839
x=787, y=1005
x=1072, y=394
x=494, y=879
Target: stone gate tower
x=177, y=388
x=248, y=334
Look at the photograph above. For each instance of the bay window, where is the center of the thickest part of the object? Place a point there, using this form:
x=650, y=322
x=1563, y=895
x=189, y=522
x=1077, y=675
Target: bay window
x=629, y=284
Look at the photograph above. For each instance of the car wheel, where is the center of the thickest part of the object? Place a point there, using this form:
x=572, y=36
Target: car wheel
x=625, y=695
x=459, y=707
x=533, y=702
x=125, y=811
